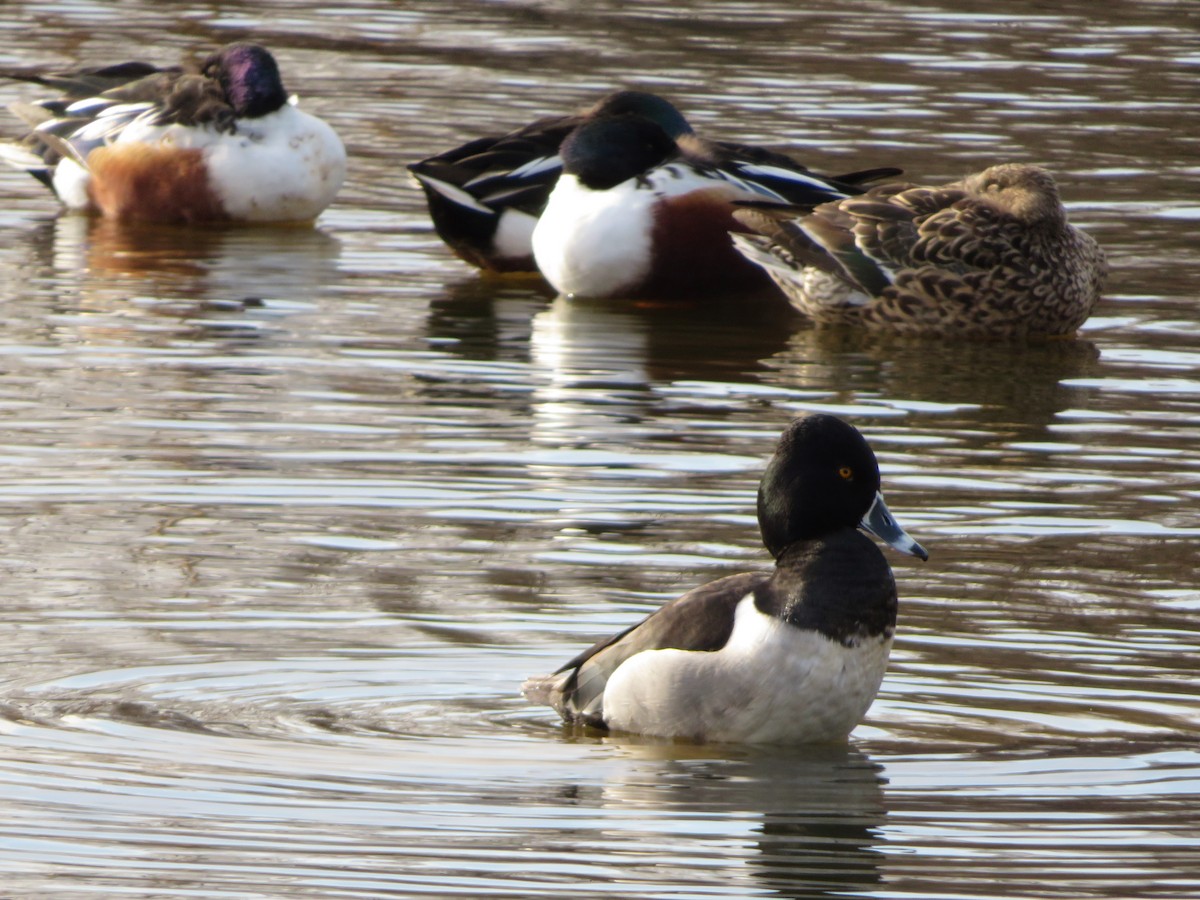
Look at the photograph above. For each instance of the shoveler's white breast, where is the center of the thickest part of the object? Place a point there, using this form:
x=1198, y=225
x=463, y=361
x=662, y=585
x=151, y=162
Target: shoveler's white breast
x=594, y=243
x=600, y=243
x=770, y=683
x=282, y=167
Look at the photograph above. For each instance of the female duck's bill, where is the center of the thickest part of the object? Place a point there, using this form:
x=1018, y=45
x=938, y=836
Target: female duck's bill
x=794, y=655
x=989, y=256
x=136, y=142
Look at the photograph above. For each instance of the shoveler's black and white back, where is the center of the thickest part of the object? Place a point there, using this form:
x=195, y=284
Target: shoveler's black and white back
x=990, y=256
x=486, y=196
x=225, y=143
x=796, y=655
x=638, y=213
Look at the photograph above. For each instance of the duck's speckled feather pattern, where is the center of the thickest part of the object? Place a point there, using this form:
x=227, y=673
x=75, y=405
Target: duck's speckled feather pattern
x=992, y=255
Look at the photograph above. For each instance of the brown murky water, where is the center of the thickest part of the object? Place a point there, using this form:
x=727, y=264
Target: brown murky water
x=287, y=515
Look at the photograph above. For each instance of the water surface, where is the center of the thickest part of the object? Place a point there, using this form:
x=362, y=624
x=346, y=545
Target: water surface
x=286, y=516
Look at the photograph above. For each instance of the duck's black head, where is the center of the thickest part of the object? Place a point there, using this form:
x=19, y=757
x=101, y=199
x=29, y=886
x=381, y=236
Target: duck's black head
x=659, y=110
x=612, y=149
x=249, y=76
x=823, y=478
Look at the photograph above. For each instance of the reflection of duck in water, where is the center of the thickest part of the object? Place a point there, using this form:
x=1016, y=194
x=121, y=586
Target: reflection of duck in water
x=795, y=656
x=136, y=142
x=486, y=319
x=580, y=344
x=604, y=367
x=718, y=342
x=813, y=815
x=131, y=267
x=969, y=384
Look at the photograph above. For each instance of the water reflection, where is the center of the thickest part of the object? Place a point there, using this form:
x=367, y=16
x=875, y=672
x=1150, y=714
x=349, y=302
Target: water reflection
x=714, y=341
x=487, y=319
x=972, y=381
x=121, y=269
x=809, y=820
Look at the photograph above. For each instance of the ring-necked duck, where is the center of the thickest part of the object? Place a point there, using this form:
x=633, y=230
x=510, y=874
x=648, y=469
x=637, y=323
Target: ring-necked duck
x=796, y=655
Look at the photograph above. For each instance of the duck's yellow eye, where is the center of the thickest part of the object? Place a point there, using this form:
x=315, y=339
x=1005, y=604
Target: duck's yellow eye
x=847, y=473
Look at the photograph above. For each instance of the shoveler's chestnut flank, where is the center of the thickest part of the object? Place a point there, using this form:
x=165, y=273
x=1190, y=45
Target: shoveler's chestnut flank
x=637, y=213
x=990, y=256
x=133, y=141
x=796, y=655
x=485, y=197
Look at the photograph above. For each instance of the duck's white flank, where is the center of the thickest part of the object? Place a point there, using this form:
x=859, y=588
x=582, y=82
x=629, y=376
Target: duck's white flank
x=770, y=683
x=514, y=234
x=71, y=184
x=282, y=167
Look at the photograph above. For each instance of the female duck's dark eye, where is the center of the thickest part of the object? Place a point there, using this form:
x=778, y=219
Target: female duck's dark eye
x=846, y=473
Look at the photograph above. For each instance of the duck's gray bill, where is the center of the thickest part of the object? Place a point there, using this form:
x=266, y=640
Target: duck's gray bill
x=879, y=522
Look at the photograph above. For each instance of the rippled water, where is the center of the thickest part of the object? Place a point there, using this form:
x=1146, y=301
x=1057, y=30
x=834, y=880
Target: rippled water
x=286, y=516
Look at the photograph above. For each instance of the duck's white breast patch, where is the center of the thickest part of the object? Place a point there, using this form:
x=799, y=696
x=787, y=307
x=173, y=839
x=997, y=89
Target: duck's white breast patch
x=594, y=243
x=770, y=683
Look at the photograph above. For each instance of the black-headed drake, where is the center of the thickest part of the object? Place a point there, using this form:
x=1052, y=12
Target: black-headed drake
x=638, y=213
x=992, y=255
x=485, y=197
x=137, y=142
x=793, y=656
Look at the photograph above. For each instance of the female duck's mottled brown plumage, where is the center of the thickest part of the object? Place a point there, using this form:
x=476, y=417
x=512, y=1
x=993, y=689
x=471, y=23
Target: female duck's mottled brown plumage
x=992, y=256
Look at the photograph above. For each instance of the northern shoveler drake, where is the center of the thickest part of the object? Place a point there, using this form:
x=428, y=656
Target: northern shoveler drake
x=990, y=256
x=639, y=213
x=793, y=656
x=133, y=141
x=485, y=197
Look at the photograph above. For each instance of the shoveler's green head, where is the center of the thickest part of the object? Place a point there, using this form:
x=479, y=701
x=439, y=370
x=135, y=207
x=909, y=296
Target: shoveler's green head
x=612, y=149
x=657, y=109
x=249, y=76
